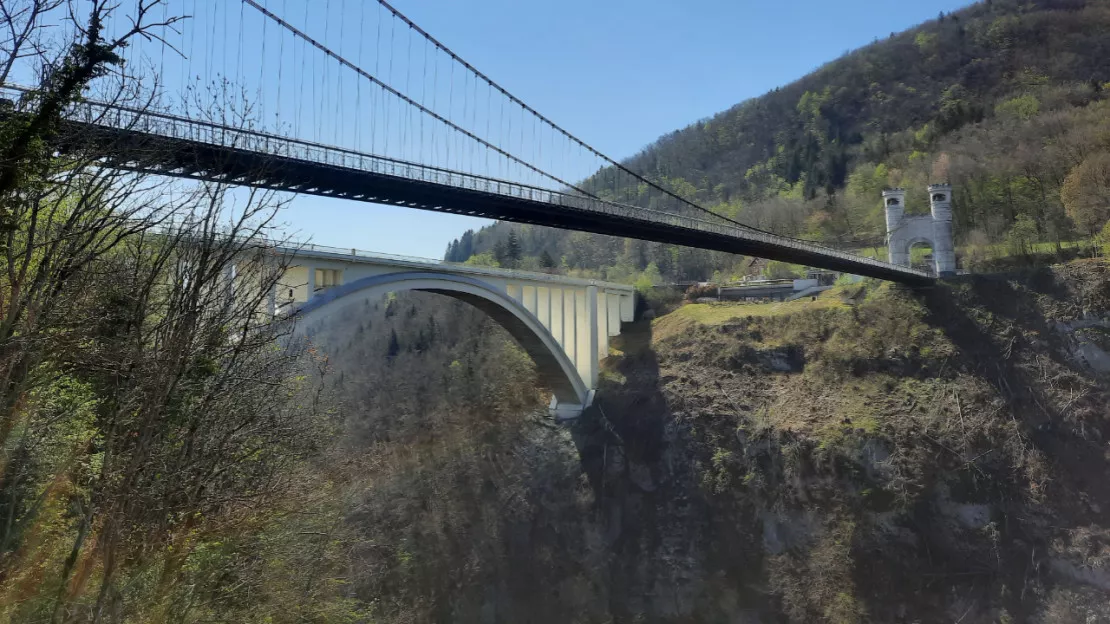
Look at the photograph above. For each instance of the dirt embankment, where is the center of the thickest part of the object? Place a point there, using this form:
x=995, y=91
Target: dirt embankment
x=875, y=455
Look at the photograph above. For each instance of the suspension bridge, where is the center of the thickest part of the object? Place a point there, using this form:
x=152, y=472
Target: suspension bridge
x=353, y=100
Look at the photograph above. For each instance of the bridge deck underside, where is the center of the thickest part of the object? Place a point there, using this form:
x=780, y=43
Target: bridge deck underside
x=129, y=149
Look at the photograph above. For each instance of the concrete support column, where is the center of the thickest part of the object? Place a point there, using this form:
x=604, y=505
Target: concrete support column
x=311, y=282
x=271, y=300
x=586, y=329
x=557, y=317
x=614, y=314
x=516, y=292
x=543, y=307
x=628, y=308
x=531, y=300
x=229, y=282
x=602, y=323
x=570, y=324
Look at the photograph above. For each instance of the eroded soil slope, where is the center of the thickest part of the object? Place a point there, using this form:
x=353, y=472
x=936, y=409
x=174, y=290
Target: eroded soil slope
x=874, y=455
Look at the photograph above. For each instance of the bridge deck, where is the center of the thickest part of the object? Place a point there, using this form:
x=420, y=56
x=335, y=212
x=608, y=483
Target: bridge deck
x=413, y=263
x=174, y=146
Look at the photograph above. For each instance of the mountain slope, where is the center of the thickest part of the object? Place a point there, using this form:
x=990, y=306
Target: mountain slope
x=1003, y=98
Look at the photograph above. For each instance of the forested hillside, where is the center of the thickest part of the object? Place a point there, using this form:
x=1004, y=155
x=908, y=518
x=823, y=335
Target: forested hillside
x=1005, y=99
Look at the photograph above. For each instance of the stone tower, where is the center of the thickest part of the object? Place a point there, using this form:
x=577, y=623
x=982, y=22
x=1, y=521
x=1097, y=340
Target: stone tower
x=904, y=232
x=944, y=253
x=895, y=202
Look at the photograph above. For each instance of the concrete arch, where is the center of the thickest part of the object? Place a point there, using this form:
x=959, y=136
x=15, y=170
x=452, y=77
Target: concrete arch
x=552, y=363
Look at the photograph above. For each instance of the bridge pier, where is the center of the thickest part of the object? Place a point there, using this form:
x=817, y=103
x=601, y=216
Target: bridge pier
x=272, y=301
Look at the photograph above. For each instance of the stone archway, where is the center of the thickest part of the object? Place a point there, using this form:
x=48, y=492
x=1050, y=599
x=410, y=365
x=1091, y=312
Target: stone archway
x=921, y=241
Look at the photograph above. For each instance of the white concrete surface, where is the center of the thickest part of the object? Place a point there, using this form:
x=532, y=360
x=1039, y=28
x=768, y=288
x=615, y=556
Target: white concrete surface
x=575, y=317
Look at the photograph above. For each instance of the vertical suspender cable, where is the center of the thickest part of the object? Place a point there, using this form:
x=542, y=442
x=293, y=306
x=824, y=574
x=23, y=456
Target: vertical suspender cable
x=281, y=67
x=423, y=96
x=358, y=83
x=489, y=117
x=435, y=107
x=392, y=32
x=162, y=62
x=338, y=121
x=405, y=128
x=450, y=113
x=466, y=111
x=325, y=82
x=377, y=72
x=395, y=93
x=301, y=94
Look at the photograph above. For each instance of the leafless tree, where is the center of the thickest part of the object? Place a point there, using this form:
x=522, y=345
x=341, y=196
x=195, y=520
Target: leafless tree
x=150, y=294
x=22, y=27
x=58, y=214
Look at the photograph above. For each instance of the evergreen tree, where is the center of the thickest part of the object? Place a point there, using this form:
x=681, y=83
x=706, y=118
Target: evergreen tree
x=513, y=251
x=466, y=246
x=394, y=346
x=546, y=261
x=501, y=253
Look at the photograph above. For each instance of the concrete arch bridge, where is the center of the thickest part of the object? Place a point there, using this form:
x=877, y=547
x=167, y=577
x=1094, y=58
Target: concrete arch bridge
x=563, y=323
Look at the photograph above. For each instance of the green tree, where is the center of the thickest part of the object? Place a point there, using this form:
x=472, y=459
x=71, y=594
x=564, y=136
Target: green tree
x=513, y=250
x=782, y=270
x=394, y=347
x=1022, y=235
x=546, y=261
x=485, y=259
x=1086, y=193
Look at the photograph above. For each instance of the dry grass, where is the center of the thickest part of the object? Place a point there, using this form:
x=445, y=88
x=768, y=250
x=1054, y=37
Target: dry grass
x=682, y=319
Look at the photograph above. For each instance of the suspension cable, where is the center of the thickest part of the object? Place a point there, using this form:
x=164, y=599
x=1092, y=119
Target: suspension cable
x=558, y=128
x=297, y=32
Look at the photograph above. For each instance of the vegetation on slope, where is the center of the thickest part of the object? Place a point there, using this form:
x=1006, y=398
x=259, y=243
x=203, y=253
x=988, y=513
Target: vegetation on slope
x=901, y=458
x=1005, y=99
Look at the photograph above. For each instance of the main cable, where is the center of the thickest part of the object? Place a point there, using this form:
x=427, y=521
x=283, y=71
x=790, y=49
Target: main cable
x=557, y=127
x=405, y=98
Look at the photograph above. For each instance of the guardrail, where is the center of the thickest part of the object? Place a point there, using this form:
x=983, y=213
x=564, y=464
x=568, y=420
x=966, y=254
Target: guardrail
x=176, y=127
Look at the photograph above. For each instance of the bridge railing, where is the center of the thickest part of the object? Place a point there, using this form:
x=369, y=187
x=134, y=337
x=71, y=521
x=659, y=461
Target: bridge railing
x=213, y=133
x=340, y=253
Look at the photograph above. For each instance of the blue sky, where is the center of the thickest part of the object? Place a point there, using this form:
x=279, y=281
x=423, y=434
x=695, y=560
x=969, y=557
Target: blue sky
x=617, y=73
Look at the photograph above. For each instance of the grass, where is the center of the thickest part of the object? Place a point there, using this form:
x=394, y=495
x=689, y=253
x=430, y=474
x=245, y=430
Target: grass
x=712, y=314
x=717, y=313
x=997, y=250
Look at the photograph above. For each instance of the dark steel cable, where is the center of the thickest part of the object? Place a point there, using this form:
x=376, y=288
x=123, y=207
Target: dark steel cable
x=401, y=96
x=566, y=133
